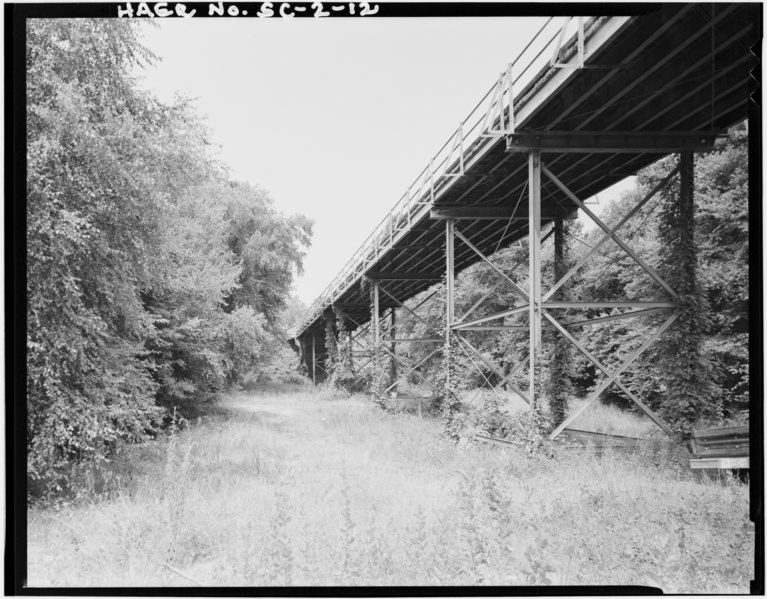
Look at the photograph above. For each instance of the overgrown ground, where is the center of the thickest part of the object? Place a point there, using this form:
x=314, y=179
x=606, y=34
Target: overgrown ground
x=301, y=488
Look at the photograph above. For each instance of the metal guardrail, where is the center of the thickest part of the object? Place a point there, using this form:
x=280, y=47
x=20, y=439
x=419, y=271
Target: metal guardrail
x=491, y=118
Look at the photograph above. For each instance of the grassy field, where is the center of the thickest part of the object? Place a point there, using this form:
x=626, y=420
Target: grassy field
x=302, y=488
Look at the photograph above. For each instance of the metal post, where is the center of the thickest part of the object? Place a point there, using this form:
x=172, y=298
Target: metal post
x=314, y=360
x=450, y=273
x=534, y=241
x=559, y=252
x=450, y=300
x=687, y=183
x=376, y=319
x=393, y=336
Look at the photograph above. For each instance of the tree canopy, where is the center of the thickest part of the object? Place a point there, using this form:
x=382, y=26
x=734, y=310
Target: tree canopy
x=154, y=280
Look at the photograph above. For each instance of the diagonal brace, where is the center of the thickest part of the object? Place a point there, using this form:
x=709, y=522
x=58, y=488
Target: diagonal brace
x=652, y=415
x=401, y=305
x=394, y=384
x=516, y=287
x=615, y=374
x=648, y=269
x=494, y=368
x=609, y=235
x=490, y=317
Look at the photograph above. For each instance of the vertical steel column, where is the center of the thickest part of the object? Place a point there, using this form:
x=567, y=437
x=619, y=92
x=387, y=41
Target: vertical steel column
x=376, y=320
x=534, y=241
x=449, y=275
x=314, y=360
x=447, y=354
x=560, y=268
x=393, y=335
x=686, y=184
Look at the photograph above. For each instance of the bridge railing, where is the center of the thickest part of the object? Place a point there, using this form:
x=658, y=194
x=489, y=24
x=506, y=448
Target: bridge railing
x=491, y=119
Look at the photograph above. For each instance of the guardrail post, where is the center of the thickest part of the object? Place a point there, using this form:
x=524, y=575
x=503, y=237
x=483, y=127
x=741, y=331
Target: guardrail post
x=431, y=180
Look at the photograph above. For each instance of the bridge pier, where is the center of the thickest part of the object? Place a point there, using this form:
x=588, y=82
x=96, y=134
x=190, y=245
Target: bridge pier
x=314, y=359
x=540, y=306
x=534, y=277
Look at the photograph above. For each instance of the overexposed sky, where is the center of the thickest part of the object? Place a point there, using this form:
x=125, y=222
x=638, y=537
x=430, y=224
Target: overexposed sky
x=334, y=117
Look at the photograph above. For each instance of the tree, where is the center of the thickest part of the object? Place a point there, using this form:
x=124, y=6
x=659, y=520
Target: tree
x=153, y=281
x=91, y=228
x=268, y=245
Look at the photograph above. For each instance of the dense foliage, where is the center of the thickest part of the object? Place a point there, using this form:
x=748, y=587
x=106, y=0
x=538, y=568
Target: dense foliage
x=153, y=280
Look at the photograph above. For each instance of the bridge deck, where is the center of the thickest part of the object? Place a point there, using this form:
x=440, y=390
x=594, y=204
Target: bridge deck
x=684, y=68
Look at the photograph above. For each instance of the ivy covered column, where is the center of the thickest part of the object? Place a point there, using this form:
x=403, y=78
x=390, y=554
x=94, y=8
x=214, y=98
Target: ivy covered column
x=450, y=383
x=690, y=391
x=342, y=374
x=378, y=383
x=534, y=288
x=314, y=359
x=393, y=335
x=560, y=364
x=331, y=343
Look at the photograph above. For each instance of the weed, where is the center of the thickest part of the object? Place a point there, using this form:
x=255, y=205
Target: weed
x=255, y=495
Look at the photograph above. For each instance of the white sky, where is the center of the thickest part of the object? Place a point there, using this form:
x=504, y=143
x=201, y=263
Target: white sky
x=334, y=117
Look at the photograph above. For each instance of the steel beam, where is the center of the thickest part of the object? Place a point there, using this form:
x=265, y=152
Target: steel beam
x=603, y=319
x=517, y=310
x=495, y=213
x=589, y=305
x=393, y=337
x=376, y=321
x=614, y=142
x=500, y=327
x=351, y=306
x=415, y=339
x=314, y=360
x=534, y=276
x=449, y=298
x=403, y=276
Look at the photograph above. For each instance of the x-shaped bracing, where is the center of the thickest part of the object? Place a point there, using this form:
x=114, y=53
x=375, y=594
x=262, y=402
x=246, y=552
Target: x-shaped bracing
x=461, y=325
x=429, y=327
x=645, y=308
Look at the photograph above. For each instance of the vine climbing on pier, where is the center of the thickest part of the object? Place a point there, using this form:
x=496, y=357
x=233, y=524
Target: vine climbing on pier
x=559, y=386
x=341, y=367
x=449, y=385
x=379, y=378
x=686, y=371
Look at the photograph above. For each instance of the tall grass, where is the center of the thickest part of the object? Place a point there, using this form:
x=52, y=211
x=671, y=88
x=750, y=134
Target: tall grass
x=287, y=489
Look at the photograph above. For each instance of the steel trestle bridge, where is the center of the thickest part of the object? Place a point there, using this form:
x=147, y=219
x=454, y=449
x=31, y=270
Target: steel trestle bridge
x=588, y=102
